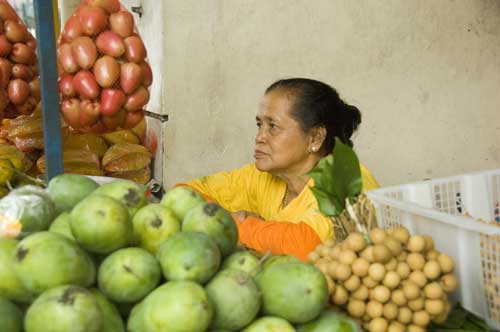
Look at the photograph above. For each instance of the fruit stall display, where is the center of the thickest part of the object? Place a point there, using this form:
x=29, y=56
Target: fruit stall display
x=89, y=257
x=77, y=256
x=388, y=279
x=104, y=81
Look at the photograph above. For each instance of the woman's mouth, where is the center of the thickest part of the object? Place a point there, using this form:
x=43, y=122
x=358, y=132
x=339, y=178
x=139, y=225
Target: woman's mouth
x=259, y=154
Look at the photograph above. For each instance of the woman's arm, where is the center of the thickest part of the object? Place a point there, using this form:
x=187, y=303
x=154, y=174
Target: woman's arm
x=281, y=238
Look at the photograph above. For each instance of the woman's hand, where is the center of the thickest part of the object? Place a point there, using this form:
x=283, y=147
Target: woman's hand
x=242, y=215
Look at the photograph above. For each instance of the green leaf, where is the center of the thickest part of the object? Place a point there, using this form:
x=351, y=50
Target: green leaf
x=323, y=175
x=328, y=205
x=336, y=177
x=346, y=171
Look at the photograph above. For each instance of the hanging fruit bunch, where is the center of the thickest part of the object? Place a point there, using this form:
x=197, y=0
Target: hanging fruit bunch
x=19, y=81
x=388, y=279
x=104, y=77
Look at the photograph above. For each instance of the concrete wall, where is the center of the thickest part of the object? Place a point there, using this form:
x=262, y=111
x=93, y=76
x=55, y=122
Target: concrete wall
x=425, y=75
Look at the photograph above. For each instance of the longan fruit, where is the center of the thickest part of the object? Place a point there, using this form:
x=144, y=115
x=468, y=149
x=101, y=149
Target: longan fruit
x=417, y=304
x=433, y=291
x=414, y=328
x=374, y=309
x=421, y=318
x=411, y=290
x=352, y=283
x=390, y=311
x=324, y=251
x=381, y=294
x=361, y=293
x=398, y=297
x=429, y=242
x=367, y=254
x=449, y=283
x=391, y=265
x=447, y=306
x=347, y=257
x=331, y=285
x=419, y=278
x=401, y=233
x=360, y=267
x=405, y=315
x=356, y=241
x=340, y=296
x=335, y=252
x=329, y=242
x=381, y=253
x=446, y=263
x=432, y=255
x=313, y=256
x=322, y=265
x=394, y=245
x=403, y=270
x=440, y=319
x=356, y=308
x=376, y=271
x=396, y=327
x=391, y=280
x=402, y=256
x=319, y=247
x=416, y=243
x=432, y=270
x=330, y=269
x=369, y=282
x=378, y=235
x=342, y=272
x=415, y=261
x=378, y=324
x=434, y=307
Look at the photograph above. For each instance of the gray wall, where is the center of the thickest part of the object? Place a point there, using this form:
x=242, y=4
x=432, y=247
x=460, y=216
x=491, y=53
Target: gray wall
x=425, y=75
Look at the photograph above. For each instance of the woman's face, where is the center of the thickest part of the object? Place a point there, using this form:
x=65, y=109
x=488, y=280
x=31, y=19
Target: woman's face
x=281, y=146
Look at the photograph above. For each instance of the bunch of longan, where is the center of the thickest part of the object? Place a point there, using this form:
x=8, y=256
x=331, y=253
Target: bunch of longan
x=389, y=280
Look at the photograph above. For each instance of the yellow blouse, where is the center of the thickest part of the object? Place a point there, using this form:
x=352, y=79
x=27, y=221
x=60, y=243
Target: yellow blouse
x=262, y=193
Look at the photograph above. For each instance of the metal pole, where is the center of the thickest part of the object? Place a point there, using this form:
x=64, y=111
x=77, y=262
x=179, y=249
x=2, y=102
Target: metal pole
x=45, y=33
x=57, y=23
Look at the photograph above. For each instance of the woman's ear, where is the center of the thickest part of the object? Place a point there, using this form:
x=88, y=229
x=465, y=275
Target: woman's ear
x=318, y=136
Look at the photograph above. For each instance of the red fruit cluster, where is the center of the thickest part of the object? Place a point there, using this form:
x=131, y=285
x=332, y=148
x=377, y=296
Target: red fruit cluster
x=19, y=82
x=104, y=77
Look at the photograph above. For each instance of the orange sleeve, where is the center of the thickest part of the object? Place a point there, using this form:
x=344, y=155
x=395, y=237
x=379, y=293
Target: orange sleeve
x=281, y=238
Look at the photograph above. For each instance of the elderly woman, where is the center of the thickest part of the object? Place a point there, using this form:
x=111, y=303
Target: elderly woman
x=275, y=210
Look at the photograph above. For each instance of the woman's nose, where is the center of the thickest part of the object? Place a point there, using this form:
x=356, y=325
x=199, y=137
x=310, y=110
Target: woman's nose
x=260, y=137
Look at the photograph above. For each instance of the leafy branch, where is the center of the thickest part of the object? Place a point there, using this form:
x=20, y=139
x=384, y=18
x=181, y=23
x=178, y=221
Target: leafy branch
x=338, y=190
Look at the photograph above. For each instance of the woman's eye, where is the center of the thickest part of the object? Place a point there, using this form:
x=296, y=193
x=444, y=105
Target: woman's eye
x=259, y=124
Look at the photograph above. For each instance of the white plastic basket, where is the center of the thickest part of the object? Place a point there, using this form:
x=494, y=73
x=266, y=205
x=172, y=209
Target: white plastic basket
x=461, y=213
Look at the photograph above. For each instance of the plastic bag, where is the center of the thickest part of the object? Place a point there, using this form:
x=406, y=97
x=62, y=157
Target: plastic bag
x=104, y=75
x=25, y=210
x=19, y=78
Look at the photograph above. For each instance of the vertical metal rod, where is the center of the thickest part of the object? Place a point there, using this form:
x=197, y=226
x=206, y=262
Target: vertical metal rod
x=57, y=23
x=45, y=34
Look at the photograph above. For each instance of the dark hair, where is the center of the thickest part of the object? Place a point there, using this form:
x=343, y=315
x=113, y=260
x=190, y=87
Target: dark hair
x=317, y=104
